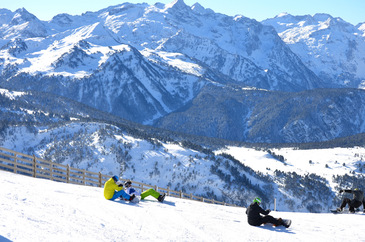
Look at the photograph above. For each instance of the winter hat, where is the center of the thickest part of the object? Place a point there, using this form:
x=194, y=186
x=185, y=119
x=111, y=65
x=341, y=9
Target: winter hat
x=257, y=200
x=115, y=178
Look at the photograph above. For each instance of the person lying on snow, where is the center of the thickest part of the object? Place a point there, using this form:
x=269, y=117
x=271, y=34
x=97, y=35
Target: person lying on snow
x=150, y=192
x=255, y=219
x=358, y=199
x=113, y=189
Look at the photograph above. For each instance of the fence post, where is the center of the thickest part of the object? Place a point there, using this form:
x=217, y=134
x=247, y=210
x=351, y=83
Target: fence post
x=274, y=204
x=156, y=188
x=34, y=166
x=180, y=194
x=168, y=191
x=52, y=171
x=15, y=165
x=83, y=177
x=100, y=179
x=68, y=174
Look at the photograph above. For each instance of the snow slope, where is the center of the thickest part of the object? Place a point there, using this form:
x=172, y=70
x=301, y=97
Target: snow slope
x=41, y=210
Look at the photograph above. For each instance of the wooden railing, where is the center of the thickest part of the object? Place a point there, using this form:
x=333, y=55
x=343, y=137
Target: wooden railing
x=36, y=167
x=20, y=163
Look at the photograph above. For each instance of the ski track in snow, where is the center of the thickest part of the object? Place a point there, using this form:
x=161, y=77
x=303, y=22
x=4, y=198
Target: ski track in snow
x=42, y=210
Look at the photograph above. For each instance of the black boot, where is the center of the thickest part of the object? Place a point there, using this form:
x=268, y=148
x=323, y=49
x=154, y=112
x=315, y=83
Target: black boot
x=161, y=198
x=280, y=222
x=132, y=197
x=286, y=223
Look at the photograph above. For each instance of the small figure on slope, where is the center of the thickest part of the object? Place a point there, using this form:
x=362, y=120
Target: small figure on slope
x=358, y=199
x=255, y=219
x=150, y=192
x=113, y=190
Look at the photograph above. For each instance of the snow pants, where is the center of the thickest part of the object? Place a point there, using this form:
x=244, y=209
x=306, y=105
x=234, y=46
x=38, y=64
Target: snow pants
x=352, y=204
x=268, y=219
x=150, y=192
x=120, y=193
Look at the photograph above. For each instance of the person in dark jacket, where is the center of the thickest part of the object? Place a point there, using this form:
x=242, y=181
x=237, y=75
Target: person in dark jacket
x=358, y=199
x=255, y=219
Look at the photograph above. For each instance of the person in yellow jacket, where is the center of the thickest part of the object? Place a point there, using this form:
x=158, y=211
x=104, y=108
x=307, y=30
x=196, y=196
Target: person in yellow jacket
x=112, y=190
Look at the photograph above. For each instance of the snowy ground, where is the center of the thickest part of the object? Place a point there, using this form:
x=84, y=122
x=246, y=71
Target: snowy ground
x=41, y=210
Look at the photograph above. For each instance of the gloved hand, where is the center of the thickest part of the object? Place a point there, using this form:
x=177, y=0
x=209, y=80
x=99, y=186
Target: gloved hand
x=132, y=197
x=120, y=185
x=341, y=191
x=268, y=211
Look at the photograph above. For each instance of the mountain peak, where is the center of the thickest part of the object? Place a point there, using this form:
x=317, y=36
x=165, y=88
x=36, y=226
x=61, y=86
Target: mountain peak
x=63, y=19
x=22, y=16
x=197, y=8
x=22, y=24
x=284, y=14
x=21, y=10
x=322, y=17
x=176, y=4
x=361, y=27
x=333, y=22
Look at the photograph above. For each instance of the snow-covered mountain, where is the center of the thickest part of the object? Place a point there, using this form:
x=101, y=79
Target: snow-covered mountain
x=331, y=47
x=151, y=63
x=142, y=62
x=20, y=24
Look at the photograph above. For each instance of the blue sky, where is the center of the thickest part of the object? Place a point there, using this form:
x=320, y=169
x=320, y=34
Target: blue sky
x=352, y=11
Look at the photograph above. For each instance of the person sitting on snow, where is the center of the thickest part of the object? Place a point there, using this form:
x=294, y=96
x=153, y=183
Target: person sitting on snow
x=150, y=192
x=255, y=219
x=358, y=199
x=113, y=189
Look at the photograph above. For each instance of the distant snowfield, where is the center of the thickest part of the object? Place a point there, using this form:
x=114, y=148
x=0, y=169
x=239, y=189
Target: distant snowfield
x=323, y=162
x=41, y=210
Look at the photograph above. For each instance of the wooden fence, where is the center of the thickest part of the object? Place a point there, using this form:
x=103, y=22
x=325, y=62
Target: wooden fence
x=19, y=163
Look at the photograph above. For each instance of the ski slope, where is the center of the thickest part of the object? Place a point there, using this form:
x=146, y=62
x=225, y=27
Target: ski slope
x=42, y=210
